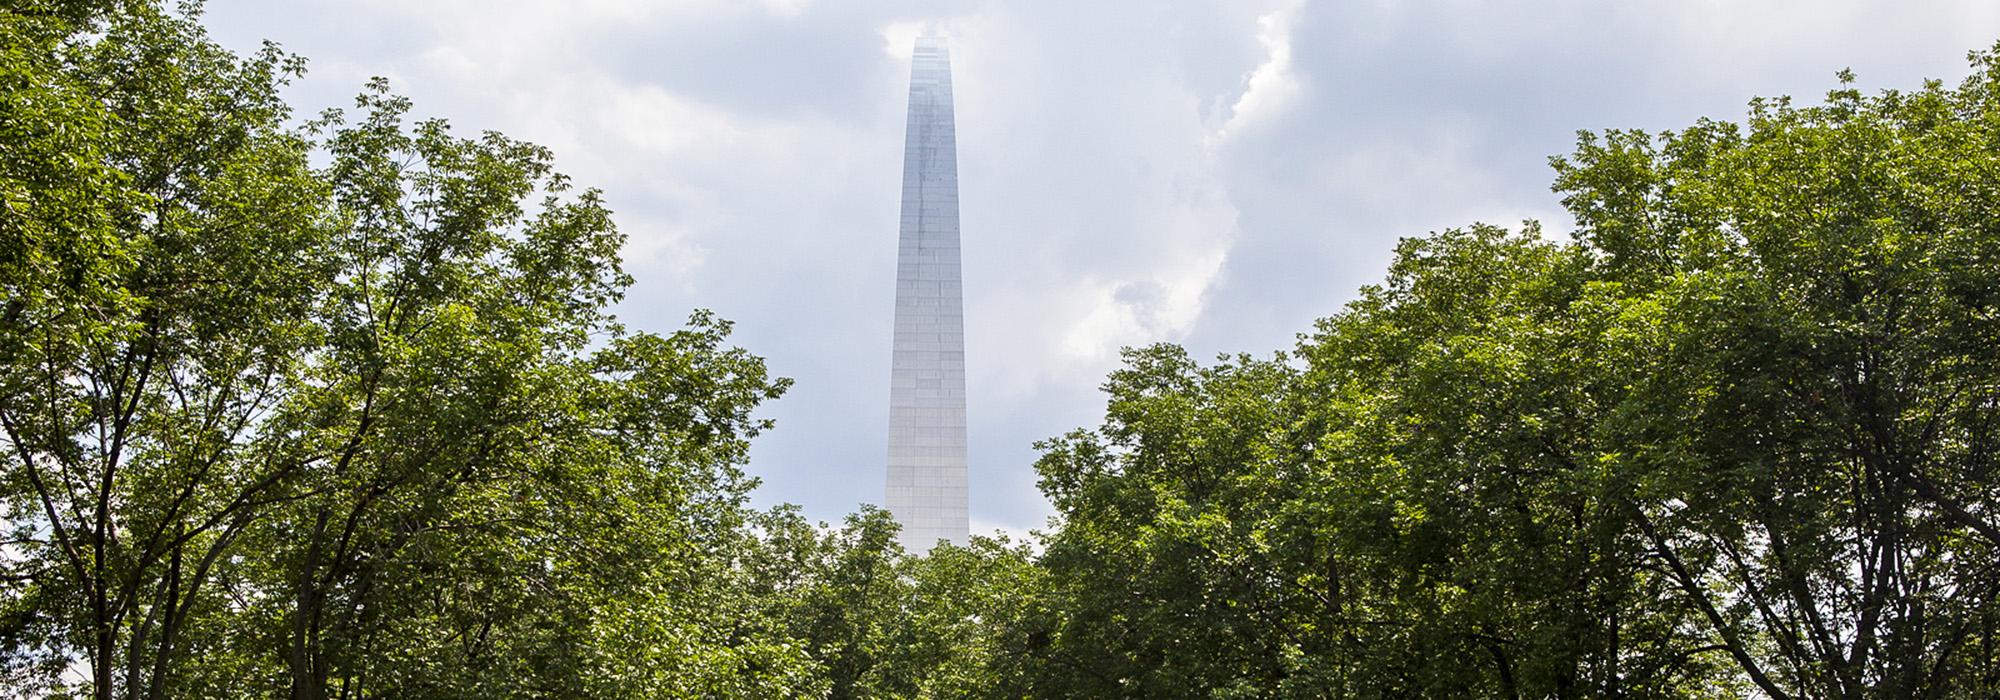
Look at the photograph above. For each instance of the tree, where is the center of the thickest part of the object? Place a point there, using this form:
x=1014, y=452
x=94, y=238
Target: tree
x=880, y=624
x=1475, y=552
x=140, y=338
x=339, y=409
x=963, y=629
x=365, y=429
x=1801, y=334
x=1162, y=574
x=1735, y=437
x=838, y=592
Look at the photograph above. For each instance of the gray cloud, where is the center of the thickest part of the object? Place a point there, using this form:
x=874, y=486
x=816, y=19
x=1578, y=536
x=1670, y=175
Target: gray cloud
x=1214, y=173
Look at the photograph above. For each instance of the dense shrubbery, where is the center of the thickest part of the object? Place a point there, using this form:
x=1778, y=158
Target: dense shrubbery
x=337, y=410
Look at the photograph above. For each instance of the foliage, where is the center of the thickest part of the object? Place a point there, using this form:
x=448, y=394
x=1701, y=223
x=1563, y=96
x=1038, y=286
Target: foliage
x=1735, y=437
x=882, y=624
x=337, y=408
x=359, y=429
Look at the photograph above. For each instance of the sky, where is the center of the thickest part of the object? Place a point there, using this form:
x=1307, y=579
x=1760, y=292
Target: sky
x=1217, y=174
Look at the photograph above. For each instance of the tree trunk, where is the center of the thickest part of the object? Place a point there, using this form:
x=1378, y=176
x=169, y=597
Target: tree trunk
x=305, y=683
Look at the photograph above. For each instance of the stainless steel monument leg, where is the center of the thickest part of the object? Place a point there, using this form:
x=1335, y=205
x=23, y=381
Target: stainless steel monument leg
x=927, y=377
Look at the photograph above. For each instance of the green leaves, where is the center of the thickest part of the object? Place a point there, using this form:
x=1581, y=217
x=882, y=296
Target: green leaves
x=1733, y=436
x=340, y=408
x=365, y=428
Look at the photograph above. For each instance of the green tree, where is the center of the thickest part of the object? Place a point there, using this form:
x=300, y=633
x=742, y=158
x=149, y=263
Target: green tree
x=1162, y=574
x=360, y=430
x=838, y=592
x=1799, y=314
x=367, y=428
x=962, y=631
x=1735, y=437
x=1470, y=550
x=880, y=624
x=158, y=254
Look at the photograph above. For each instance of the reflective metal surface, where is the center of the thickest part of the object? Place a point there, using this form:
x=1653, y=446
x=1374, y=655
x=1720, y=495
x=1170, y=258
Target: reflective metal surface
x=926, y=484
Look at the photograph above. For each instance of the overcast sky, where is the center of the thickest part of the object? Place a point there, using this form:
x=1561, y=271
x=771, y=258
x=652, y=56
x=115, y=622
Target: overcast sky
x=1216, y=174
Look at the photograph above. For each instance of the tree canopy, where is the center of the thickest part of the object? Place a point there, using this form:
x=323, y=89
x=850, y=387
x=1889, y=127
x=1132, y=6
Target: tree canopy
x=1734, y=437
x=336, y=407
x=361, y=428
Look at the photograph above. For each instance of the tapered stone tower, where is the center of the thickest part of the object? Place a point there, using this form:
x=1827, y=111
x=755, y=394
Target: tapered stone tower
x=927, y=375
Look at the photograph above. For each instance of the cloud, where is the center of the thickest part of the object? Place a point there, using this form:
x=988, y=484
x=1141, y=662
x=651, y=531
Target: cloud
x=1159, y=307
x=1216, y=173
x=1272, y=85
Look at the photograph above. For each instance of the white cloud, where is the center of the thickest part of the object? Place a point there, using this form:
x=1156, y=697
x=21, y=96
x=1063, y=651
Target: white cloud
x=1161, y=306
x=787, y=9
x=900, y=38
x=659, y=124
x=1216, y=173
x=1273, y=85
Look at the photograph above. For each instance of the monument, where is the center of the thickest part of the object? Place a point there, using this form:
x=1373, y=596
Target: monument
x=926, y=484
